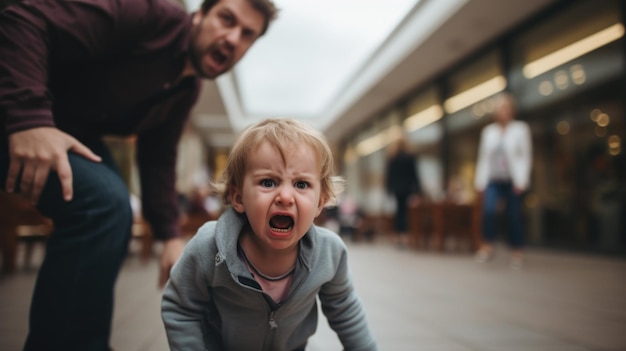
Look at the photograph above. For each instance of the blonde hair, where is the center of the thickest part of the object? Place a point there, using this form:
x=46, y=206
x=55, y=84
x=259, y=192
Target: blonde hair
x=505, y=97
x=284, y=134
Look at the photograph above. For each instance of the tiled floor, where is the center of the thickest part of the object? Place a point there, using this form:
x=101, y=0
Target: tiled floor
x=415, y=300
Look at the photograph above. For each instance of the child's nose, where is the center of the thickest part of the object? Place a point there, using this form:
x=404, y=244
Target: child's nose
x=285, y=195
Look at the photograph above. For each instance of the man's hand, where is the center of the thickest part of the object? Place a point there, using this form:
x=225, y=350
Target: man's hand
x=35, y=152
x=172, y=249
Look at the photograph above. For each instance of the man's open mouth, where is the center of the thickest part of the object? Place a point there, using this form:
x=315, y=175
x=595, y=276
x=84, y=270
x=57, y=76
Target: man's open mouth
x=218, y=56
x=280, y=223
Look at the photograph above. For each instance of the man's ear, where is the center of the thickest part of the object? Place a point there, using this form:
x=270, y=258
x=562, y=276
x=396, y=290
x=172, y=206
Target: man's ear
x=197, y=18
x=236, y=200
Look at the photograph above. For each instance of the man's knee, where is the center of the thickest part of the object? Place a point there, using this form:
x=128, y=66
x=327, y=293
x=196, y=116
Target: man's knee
x=110, y=203
x=100, y=206
x=114, y=203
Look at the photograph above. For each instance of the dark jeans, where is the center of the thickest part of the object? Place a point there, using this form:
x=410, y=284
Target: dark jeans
x=515, y=226
x=400, y=224
x=72, y=304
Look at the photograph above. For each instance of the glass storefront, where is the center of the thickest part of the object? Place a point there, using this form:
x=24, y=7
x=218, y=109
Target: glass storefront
x=567, y=74
x=579, y=185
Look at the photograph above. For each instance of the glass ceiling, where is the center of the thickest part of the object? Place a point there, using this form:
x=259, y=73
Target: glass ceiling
x=311, y=52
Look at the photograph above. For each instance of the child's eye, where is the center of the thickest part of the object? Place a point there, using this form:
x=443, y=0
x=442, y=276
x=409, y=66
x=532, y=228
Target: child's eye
x=268, y=183
x=302, y=185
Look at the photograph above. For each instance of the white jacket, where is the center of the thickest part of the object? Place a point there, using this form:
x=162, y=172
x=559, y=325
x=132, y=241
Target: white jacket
x=518, y=149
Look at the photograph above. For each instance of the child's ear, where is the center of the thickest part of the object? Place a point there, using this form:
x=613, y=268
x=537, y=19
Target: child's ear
x=321, y=204
x=236, y=200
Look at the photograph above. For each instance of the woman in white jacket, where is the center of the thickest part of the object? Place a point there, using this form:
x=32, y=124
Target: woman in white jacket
x=503, y=173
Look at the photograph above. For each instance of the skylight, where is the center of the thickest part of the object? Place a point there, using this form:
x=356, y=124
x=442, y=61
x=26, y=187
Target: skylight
x=311, y=52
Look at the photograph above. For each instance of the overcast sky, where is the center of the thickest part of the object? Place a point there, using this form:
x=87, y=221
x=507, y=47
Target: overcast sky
x=310, y=51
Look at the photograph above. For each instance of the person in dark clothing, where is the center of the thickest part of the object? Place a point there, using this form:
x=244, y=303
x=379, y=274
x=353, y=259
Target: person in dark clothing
x=402, y=181
x=71, y=72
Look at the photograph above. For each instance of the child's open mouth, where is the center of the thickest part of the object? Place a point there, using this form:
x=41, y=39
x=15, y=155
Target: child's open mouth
x=280, y=223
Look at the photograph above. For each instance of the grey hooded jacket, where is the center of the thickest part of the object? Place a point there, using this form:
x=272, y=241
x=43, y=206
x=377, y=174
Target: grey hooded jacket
x=212, y=302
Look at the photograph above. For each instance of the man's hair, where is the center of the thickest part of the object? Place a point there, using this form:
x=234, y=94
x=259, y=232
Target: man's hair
x=284, y=134
x=265, y=7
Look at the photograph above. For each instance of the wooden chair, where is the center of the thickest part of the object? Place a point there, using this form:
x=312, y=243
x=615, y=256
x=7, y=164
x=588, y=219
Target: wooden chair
x=372, y=225
x=458, y=221
x=142, y=232
x=193, y=221
x=20, y=221
x=421, y=224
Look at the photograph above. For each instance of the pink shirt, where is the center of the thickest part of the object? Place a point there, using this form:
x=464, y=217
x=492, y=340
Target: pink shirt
x=277, y=290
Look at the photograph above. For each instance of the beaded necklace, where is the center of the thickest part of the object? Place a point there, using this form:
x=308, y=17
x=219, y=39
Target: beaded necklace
x=260, y=274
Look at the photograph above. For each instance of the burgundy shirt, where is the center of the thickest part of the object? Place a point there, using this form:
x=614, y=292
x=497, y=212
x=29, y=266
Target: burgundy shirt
x=96, y=67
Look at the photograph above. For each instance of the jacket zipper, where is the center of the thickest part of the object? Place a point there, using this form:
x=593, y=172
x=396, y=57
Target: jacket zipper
x=272, y=321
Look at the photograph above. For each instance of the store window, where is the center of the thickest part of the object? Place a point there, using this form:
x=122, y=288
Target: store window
x=567, y=73
x=469, y=106
x=425, y=132
x=574, y=51
x=370, y=150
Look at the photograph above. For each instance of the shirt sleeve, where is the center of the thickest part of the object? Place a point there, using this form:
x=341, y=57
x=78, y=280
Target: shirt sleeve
x=480, y=176
x=24, y=46
x=157, y=150
x=524, y=164
x=416, y=183
x=36, y=35
x=185, y=298
x=344, y=310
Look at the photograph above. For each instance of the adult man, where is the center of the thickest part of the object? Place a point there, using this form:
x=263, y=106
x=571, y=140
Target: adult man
x=71, y=71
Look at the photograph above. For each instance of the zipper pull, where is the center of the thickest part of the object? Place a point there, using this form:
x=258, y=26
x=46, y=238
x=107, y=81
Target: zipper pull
x=273, y=324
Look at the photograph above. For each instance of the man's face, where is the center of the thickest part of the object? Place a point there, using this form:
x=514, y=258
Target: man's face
x=222, y=36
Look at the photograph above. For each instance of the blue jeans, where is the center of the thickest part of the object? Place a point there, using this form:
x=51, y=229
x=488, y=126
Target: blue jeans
x=72, y=304
x=515, y=225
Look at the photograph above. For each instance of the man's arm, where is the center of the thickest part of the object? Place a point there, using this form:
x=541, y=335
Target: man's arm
x=157, y=150
x=32, y=37
x=525, y=160
x=37, y=36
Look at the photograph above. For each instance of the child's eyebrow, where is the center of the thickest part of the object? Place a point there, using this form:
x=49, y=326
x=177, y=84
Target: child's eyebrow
x=264, y=172
x=308, y=176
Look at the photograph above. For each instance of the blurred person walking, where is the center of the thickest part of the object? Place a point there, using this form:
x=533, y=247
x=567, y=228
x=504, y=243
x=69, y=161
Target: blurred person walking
x=503, y=173
x=403, y=183
x=71, y=72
